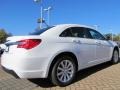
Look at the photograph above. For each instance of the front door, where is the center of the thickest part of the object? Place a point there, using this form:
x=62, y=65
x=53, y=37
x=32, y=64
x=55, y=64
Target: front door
x=102, y=46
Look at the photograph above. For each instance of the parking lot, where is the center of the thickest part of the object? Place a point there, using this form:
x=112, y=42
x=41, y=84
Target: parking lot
x=100, y=77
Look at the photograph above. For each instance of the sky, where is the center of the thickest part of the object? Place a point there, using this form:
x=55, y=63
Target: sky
x=19, y=17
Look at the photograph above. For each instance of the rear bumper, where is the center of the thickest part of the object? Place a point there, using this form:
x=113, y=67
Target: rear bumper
x=26, y=67
x=25, y=74
x=10, y=72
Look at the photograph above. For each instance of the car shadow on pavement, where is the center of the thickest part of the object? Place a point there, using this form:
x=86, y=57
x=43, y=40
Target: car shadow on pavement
x=45, y=83
x=92, y=70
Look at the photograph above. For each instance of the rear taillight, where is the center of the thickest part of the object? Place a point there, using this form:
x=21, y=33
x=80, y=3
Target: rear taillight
x=28, y=43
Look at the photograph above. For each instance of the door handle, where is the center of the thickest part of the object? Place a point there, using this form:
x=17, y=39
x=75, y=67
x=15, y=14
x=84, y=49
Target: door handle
x=98, y=43
x=76, y=41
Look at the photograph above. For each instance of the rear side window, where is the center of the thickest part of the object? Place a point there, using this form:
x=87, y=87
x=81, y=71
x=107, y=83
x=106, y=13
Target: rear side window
x=38, y=32
x=66, y=33
x=74, y=32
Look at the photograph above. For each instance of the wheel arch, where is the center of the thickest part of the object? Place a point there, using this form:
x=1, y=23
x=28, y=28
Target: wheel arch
x=59, y=55
x=115, y=48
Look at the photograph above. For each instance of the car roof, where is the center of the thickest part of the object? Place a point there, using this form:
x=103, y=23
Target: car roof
x=57, y=29
x=74, y=25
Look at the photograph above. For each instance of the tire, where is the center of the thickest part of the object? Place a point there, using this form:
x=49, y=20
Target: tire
x=115, y=57
x=63, y=71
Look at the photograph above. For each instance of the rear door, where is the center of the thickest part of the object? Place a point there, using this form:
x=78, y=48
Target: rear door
x=85, y=45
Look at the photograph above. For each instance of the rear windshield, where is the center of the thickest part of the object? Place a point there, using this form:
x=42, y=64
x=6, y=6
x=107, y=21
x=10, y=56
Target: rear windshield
x=38, y=32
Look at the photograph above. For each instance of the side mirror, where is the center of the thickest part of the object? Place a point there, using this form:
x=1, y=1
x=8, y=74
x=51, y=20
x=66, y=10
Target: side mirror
x=108, y=38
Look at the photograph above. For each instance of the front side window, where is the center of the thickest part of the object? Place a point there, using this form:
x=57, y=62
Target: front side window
x=96, y=35
x=74, y=32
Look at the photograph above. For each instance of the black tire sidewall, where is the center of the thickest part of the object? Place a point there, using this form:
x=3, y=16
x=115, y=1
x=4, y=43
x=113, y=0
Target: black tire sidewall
x=113, y=61
x=54, y=71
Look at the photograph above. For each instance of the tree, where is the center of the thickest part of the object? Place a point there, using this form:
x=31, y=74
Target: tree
x=3, y=35
x=116, y=37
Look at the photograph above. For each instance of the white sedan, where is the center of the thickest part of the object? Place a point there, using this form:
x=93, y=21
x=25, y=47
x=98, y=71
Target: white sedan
x=57, y=52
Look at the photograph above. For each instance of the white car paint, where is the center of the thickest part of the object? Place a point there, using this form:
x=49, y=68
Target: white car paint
x=35, y=62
